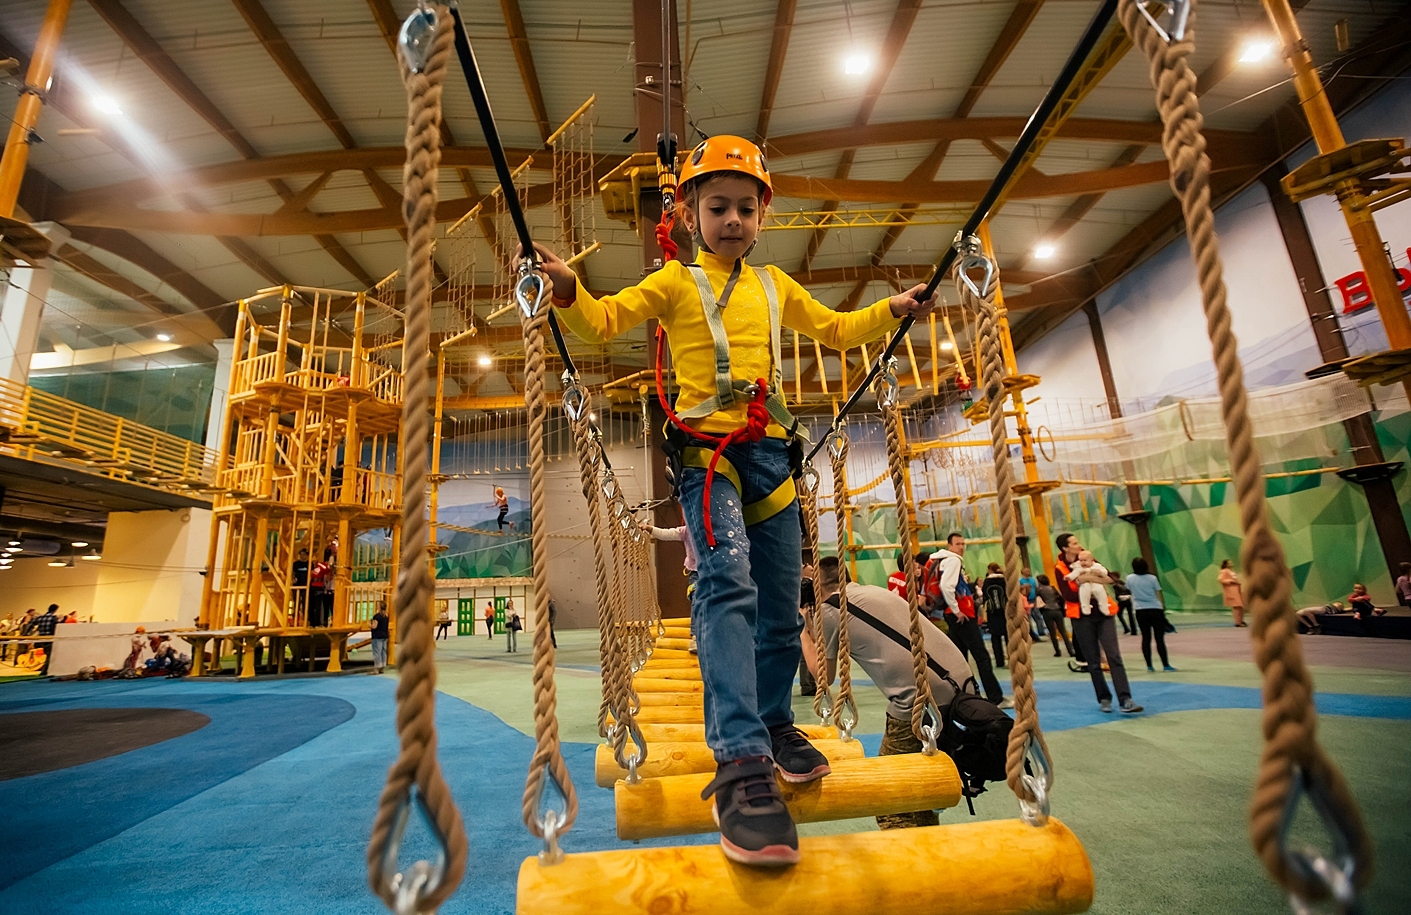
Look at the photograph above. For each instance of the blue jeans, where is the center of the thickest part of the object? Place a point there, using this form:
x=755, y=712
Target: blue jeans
x=745, y=610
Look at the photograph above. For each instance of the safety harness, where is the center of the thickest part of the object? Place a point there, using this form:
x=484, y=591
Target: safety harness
x=766, y=402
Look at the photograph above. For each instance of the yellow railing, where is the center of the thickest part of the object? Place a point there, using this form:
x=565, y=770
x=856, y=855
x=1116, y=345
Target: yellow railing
x=49, y=429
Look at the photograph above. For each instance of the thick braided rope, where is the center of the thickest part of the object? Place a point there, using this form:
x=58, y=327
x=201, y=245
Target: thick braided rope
x=624, y=633
x=840, y=510
x=548, y=757
x=416, y=763
x=588, y=477
x=808, y=505
x=1021, y=668
x=891, y=421
x=1290, y=720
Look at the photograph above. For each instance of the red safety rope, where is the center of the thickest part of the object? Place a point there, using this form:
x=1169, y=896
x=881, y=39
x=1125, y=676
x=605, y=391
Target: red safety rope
x=664, y=239
x=756, y=422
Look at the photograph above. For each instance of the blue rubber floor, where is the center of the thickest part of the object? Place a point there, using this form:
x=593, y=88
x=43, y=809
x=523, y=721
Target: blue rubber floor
x=267, y=809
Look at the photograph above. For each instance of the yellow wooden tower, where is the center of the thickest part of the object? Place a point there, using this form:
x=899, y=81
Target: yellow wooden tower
x=307, y=462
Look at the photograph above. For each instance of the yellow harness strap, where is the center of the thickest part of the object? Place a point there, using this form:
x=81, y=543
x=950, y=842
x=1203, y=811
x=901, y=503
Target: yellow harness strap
x=755, y=512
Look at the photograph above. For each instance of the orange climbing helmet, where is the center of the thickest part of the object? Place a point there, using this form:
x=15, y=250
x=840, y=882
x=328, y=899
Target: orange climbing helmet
x=728, y=154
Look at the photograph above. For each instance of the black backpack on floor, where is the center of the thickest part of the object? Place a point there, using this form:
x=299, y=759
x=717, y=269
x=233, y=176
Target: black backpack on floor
x=975, y=731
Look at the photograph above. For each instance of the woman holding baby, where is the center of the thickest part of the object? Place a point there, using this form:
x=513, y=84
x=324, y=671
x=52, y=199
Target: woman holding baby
x=1082, y=581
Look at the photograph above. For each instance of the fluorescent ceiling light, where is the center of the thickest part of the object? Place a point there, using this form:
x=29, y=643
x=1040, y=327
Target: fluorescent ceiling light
x=107, y=105
x=91, y=556
x=857, y=63
x=486, y=362
x=947, y=346
x=79, y=543
x=14, y=543
x=1256, y=50
x=1044, y=251
x=165, y=338
x=57, y=563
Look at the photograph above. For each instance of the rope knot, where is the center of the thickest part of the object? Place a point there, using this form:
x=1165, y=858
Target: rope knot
x=664, y=239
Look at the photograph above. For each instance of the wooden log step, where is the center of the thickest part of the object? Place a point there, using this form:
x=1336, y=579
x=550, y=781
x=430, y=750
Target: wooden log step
x=867, y=787
x=695, y=733
x=681, y=644
x=659, y=699
x=664, y=685
x=688, y=757
x=1010, y=867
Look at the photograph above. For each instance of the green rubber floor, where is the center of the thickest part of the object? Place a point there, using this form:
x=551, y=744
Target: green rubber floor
x=1159, y=800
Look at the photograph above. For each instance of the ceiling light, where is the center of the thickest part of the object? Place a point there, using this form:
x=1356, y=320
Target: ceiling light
x=106, y=104
x=857, y=63
x=486, y=362
x=1256, y=50
x=6, y=568
x=13, y=549
x=165, y=338
x=14, y=543
x=1044, y=251
x=91, y=556
x=592, y=417
x=79, y=543
x=57, y=563
x=6, y=560
x=947, y=346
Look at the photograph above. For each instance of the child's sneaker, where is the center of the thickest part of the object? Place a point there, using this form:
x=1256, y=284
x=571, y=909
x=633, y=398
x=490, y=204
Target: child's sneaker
x=755, y=826
x=797, y=760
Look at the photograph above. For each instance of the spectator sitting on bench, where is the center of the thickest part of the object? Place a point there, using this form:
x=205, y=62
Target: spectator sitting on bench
x=1310, y=616
x=1361, y=603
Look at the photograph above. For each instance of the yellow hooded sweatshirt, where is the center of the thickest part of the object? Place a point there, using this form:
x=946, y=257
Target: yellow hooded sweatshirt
x=670, y=295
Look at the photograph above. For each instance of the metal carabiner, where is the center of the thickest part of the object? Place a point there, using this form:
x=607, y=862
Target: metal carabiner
x=887, y=385
x=825, y=708
x=411, y=889
x=1038, y=779
x=931, y=732
x=1180, y=11
x=1336, y=873
x=810, y=477
x=575, y=398
x=417, y=35
x=837, y=442
x=845, y=717
x=530, y=289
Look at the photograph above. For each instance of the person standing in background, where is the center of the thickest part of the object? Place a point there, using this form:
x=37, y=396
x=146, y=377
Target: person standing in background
x=1029, y=587
x=502, y=502
x=1151, y=613
x=443, y=622
x=896, y=582
x=994, y=595
x=1093, y=628
x=512, y=627
x=1230, y=585
x=1051, y=608
x=380, y=633
x=489, y=620
x=948, y=593
x=553, y=618
x=1125, y=611
x=689, y=567
x=44, y=625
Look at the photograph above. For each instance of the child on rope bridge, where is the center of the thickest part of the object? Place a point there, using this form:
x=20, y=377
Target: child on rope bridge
x=734, y=451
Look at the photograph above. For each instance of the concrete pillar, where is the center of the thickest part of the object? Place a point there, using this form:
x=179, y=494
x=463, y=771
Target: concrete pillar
x=215, y=419
x=23, y=309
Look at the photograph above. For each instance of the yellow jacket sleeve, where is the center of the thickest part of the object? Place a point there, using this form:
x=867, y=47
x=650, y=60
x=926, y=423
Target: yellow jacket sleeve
x=600, y=320
x=837, y=330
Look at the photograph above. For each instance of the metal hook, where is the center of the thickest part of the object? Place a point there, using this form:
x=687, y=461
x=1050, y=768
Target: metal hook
x=1038, y=779
x=845, y=717
x=530, y=289
x=825, y=708
x=416, y=37
x=887, y=385
x=810, y=477
x=931, y=732
x=837, y=444
x=1180, y=11
x=1336, y=873
x=410, y=890
x=575, y=398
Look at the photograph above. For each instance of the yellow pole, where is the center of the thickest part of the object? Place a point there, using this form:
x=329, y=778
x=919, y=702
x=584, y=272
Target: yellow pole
x=1021, y=418
x=1328, y=135
x=36, y=82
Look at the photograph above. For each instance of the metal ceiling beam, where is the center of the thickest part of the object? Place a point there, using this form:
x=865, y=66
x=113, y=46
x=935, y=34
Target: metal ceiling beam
x=1013, y=30
x=524, y=57
x=778, y=48
x=903, y=18
x=124, y=245
x=150, y=52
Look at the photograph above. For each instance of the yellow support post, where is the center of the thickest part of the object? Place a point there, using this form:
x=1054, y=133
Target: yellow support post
x=1021, y=418
x=1323, y=124
x=36, y=83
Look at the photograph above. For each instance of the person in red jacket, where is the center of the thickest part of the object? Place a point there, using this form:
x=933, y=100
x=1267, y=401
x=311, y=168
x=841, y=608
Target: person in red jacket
x=896, y=582
x=1094, y=631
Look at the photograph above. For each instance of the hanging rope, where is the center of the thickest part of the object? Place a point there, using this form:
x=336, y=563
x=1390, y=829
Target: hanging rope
x=547, y=763
x=1292, y=761
x=1026, y=737
x=416, y=775
x=847, y=706
x=808, y=505
x=896, y=463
